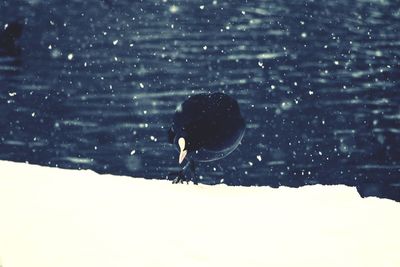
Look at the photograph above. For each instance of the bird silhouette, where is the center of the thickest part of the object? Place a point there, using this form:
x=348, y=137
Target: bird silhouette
x=205, y=127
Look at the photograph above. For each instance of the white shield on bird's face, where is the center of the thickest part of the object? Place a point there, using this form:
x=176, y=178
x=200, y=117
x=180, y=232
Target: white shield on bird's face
x=183, y=151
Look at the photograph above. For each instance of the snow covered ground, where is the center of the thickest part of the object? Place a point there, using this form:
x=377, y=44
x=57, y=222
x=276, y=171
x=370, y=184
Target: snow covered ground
x=54, y=218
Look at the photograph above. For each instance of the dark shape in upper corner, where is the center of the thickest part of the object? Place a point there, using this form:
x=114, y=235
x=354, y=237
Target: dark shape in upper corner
x=9, y=37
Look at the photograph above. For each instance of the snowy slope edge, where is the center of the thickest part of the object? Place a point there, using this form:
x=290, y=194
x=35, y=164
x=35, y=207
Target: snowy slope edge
x=53, y=217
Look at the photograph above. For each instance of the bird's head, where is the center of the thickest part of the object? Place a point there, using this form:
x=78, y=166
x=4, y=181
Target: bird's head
x=180, y=140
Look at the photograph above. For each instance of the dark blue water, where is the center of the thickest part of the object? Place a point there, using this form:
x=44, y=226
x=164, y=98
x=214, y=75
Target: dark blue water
x=94, y=84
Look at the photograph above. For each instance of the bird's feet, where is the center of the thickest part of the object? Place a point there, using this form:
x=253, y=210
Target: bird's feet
x=180, y=177
x=187, y=174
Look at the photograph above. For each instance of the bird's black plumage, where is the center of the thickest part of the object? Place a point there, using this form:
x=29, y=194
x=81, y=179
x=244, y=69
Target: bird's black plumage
x=211, y=125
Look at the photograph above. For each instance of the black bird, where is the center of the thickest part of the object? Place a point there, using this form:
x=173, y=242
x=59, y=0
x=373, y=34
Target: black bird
x=206, y=127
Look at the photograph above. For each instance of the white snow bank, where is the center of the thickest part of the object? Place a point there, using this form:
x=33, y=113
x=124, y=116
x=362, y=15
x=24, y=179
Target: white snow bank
x=63, y=218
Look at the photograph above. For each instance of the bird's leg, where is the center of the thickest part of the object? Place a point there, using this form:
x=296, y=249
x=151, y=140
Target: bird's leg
x=193, y=171
x=182, y=176
x=184, y=171
x=177, y=175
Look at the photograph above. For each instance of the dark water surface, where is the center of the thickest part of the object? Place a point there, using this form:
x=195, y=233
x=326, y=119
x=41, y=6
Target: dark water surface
x=95, y=84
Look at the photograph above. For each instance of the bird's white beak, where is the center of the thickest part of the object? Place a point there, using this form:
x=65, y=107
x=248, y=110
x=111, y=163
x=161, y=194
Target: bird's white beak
x=183, y=152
